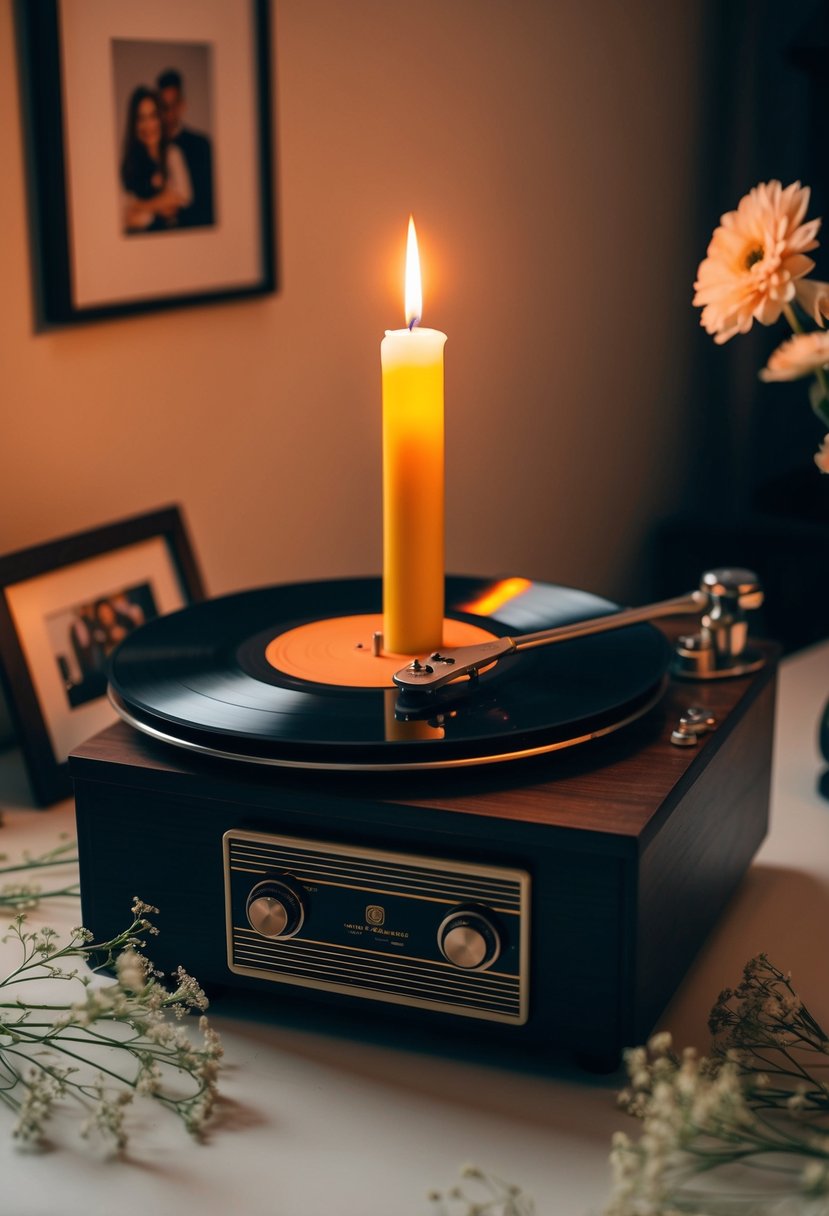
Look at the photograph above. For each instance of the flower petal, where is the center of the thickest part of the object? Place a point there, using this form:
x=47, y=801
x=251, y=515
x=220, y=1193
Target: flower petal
x=813, y=297
x=801, y=355
x=755, y=258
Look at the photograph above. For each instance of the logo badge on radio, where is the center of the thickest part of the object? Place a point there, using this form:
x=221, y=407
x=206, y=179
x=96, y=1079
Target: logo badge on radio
x=375, y=915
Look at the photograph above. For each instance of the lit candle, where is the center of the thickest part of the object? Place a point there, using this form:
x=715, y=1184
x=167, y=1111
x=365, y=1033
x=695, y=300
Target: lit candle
x=413, y=561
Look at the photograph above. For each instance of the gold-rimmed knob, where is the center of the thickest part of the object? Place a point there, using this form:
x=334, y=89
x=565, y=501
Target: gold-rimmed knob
x=468, y=939
x=275, y=908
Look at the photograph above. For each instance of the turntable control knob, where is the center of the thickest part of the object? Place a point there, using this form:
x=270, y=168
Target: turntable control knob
x=469, y=939
x=275, y=908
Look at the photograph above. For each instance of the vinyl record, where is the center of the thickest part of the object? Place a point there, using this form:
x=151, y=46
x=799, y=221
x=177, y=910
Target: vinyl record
x=201, y=679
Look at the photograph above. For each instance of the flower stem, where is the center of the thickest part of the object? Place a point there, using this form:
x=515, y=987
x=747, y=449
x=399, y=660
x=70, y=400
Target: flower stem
x=819, y=404
x=793, y=319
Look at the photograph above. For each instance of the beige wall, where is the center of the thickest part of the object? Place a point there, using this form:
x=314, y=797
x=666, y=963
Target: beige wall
x=547, y=150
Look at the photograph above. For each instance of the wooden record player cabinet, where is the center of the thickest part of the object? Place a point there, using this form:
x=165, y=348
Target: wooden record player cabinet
x=633, y=847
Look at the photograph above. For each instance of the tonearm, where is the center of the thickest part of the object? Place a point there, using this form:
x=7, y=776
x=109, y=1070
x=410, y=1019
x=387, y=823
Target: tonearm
x=718, y=650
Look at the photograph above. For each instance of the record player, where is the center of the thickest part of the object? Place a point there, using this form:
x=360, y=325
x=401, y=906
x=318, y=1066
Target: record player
x=521, y=838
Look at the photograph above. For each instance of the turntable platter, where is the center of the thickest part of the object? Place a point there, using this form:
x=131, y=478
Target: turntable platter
x=205, y=678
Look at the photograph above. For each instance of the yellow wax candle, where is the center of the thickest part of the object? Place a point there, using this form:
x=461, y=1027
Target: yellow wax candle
x=413, y=477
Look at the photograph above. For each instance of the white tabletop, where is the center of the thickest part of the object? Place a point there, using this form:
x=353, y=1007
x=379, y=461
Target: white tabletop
x=316, y=1126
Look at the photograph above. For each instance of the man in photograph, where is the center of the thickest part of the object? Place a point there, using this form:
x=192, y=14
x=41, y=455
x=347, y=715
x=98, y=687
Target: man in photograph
x=194, y=146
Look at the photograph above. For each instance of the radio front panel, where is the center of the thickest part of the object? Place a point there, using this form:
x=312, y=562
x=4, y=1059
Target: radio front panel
x=383, y=926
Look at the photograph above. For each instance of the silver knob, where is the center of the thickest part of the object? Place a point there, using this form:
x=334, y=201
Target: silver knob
x=469, y=940
x=275, y=909
x=695, y=721
x=730, y=592
x=741, y=587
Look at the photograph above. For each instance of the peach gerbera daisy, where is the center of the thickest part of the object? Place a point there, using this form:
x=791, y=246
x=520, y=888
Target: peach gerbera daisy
x=755, y=258
x=799, y=356
x=822, y=456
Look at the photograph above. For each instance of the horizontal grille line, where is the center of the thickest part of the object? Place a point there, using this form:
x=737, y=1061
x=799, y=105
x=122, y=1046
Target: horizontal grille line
x=350, y=886
x=371, y=983
x=310, y=941
x=475, y=981
x=467, y=888
x=328, y=859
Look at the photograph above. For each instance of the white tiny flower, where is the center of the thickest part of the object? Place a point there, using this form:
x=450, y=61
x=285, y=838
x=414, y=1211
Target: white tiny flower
x=131, y=970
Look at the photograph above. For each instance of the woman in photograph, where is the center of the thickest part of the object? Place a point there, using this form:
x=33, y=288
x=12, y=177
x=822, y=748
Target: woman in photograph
x=153, y=172
x=110, y=627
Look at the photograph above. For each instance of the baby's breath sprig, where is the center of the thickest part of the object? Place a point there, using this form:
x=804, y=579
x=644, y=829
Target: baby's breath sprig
x=107, y=1041
x=492, y=1197
x=22, y=895
x=765, y=1028
x=753, y=1114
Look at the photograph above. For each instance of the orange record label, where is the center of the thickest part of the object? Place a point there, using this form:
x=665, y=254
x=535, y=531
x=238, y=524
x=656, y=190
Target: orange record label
x=339, y=650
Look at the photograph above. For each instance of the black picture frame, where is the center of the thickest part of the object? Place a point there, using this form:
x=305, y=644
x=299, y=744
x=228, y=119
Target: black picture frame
x=56, y=255
x=35, y=678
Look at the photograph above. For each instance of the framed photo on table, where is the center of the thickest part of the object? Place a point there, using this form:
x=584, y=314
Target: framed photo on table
x=150, y=153
x=64, y=607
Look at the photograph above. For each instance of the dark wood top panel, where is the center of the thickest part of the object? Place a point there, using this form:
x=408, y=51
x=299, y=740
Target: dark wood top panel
x=613, y=786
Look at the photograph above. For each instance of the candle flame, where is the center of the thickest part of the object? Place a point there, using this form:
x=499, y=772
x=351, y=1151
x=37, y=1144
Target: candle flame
x=414, y=289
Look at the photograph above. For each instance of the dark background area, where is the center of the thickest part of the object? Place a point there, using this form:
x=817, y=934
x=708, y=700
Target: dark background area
x=761, y=500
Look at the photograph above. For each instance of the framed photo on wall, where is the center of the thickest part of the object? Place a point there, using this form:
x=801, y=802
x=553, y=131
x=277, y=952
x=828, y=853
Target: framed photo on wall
x=150, y=153
x=64, y=607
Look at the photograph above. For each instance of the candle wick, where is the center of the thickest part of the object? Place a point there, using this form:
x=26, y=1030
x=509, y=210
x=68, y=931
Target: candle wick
x=414, y=321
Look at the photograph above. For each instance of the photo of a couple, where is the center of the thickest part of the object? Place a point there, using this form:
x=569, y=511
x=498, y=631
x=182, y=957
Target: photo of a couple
x=166, y=167
x=85, y=635
x=152, y=154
